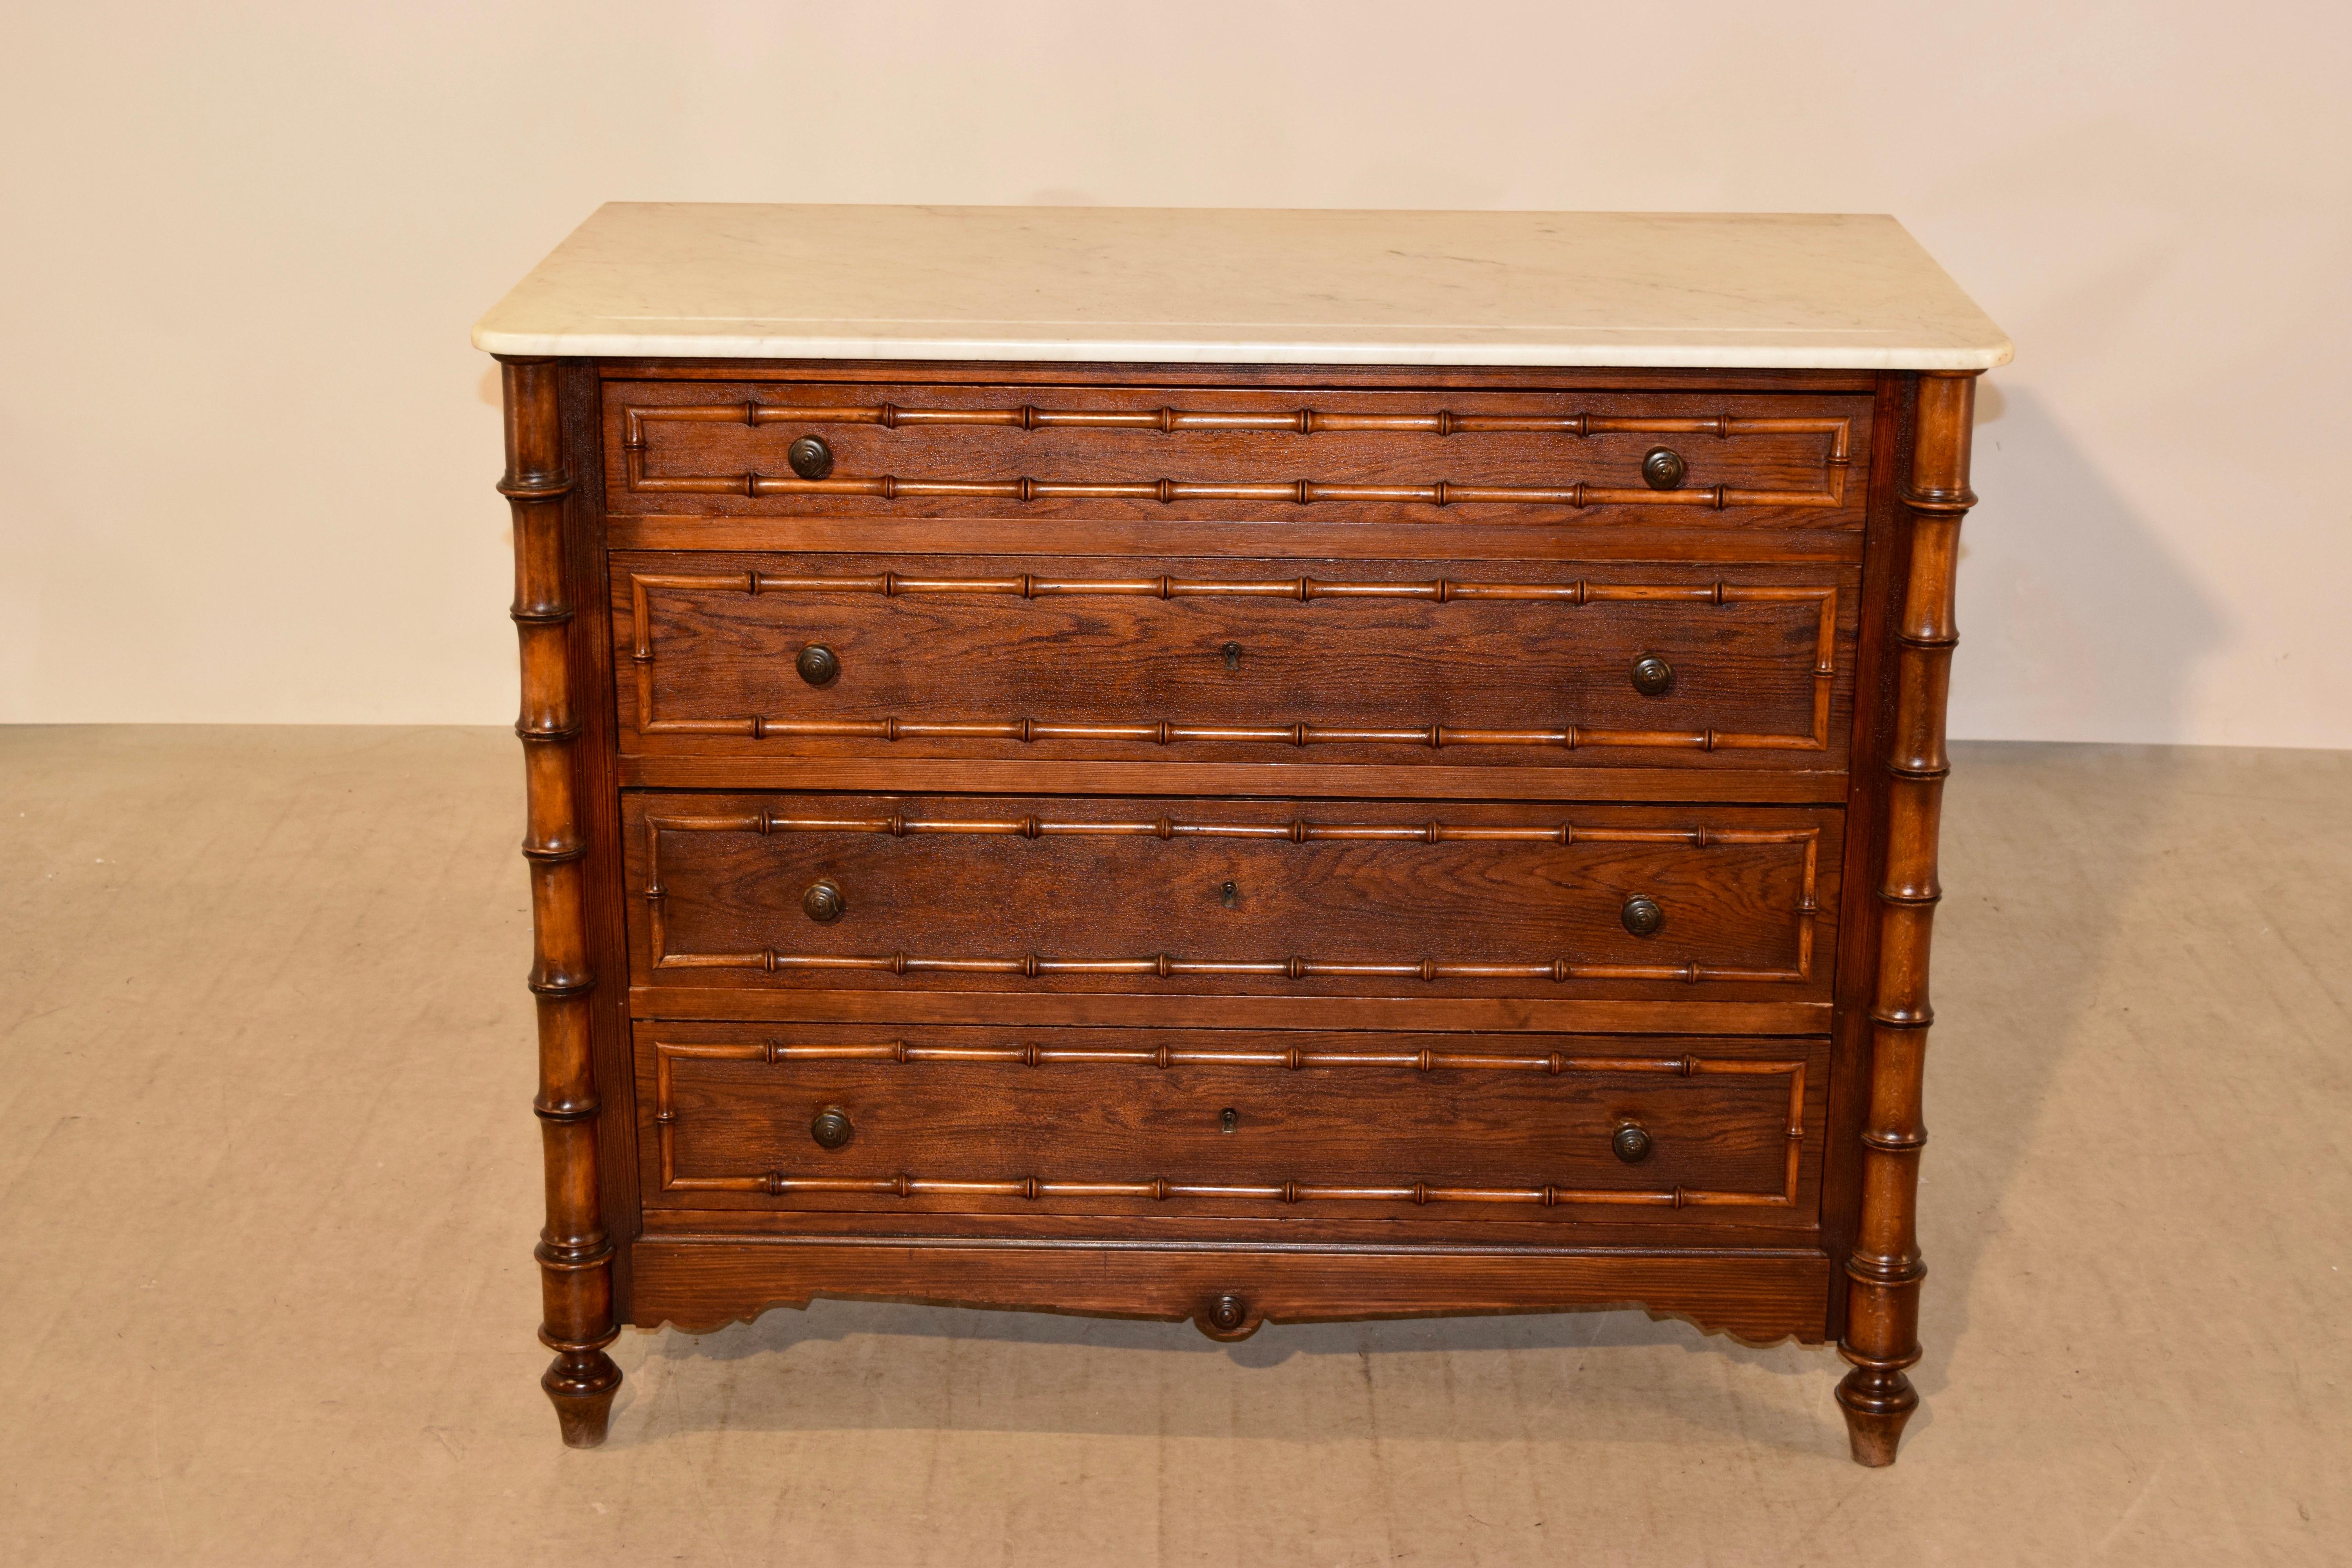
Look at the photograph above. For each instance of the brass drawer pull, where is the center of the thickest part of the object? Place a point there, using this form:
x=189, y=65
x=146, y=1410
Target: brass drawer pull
x=1632, y=1144
x=1662, y=468
x=818, y=664
x=831, y=1129
x=823, y=903
x=1642, y=915
x=811, y=459
x=1653, y=675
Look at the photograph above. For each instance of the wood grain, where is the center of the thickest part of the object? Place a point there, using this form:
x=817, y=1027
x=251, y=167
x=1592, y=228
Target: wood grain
x=1041, y=765
x=1884, y=1268
x=1265, y=897
x=574, y=1251
x=895, y=772
x=1760, y=1294
x=1390, y=1007
x=1226, y=1122
x=1237, y=452
x=1195, y=659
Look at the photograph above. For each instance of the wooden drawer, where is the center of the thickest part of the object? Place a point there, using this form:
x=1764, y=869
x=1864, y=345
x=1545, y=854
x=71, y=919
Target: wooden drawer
x=727, y=448
x=1176, y=1123
x=1230, y=898
x=1492, y=662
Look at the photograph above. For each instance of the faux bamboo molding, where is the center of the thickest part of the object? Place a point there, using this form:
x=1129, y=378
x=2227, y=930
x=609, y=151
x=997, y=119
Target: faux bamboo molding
x=777, y=1183
x=575, y=1255
x=1302, y=590
x=1166, y=966
x=1883, y=1272
x=1303, y=422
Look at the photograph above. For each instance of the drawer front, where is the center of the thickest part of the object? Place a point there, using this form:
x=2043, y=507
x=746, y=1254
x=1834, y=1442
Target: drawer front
x=1503, y=663
x=1230, y=897
x=753, y=448
x=1173, y=1122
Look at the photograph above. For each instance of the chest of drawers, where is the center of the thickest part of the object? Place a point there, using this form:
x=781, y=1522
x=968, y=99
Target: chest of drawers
x=1421, y=801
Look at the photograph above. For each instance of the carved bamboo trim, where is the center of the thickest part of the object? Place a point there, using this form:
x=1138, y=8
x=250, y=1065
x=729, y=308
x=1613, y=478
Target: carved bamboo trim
x=1885, y=1267
x=1165, y=966
x=1305, y=421
x=574, y=1250
x=1302, y=590
x=777, y=1183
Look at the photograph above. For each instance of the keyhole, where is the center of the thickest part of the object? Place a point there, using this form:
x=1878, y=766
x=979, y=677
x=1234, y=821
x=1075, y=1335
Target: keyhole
x=1233, y=652
x=1228, y=1119
x=1230, y=895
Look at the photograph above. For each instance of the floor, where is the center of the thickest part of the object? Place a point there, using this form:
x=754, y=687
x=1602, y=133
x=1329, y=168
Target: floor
x=267, y=1186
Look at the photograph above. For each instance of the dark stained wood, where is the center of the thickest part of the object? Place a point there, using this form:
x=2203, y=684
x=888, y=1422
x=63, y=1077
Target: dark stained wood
x=1391, y=1010
x=1127, y=1122
x=1229, y=454
x=1760, y=1294
x=1882, y=595
x=599, y=761
x=1401, y=662
x=1357, y=1182
x=1883, y=1270
x=1323, y=781
x=574, y=1251
x=1384, y=537
x=1343, y=1224
x=1265, y=898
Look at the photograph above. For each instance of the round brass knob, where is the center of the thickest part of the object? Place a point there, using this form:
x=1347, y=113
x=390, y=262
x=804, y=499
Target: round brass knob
x=1662, y=468
x=811, y=459
x=1653, y=675
x=818, y=664
x=831, y=1129
x=1631, y=1144
x=823, y=903
x=1642, y=915
x=1227, y=1314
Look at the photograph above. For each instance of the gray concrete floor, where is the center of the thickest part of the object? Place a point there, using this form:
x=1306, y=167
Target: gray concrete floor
x=268, y=1184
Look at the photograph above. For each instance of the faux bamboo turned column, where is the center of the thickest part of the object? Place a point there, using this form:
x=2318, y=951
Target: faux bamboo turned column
x=575, y=1256
x=1883, y=1272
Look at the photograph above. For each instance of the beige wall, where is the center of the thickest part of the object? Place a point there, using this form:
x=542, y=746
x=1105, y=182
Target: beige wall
x=248, y=454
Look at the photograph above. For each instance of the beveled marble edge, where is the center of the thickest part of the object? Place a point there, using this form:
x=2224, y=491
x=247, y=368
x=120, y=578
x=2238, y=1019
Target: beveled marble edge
x=1143, y=286
x=1630, y=353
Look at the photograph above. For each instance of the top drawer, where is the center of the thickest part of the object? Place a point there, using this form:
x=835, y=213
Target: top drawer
x=806, y=450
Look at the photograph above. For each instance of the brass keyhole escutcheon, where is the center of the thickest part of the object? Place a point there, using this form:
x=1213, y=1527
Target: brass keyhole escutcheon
x=823, y=903
x=831, y=1129
x=1631, y=1144
x=1230, y=895
x=1642, y=915
x=818, y=664
x=1653, y=675
x=811, y=459
x=1233, y=652
x=1662, y=468
x=1228, y=1119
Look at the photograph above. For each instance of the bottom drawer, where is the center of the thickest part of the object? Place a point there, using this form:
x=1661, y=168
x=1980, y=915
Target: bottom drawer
x=1170, y=1123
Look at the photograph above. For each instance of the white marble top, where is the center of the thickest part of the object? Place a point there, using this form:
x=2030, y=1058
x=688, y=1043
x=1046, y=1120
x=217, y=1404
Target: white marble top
x=1211, y=285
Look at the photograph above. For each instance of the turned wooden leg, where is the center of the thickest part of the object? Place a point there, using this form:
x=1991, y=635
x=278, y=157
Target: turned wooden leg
x=1884, y=1271
x=581, y=1385
x=575, y=1255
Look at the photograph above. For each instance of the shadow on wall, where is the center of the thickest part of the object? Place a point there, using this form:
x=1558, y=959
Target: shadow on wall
x=2052, y=562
